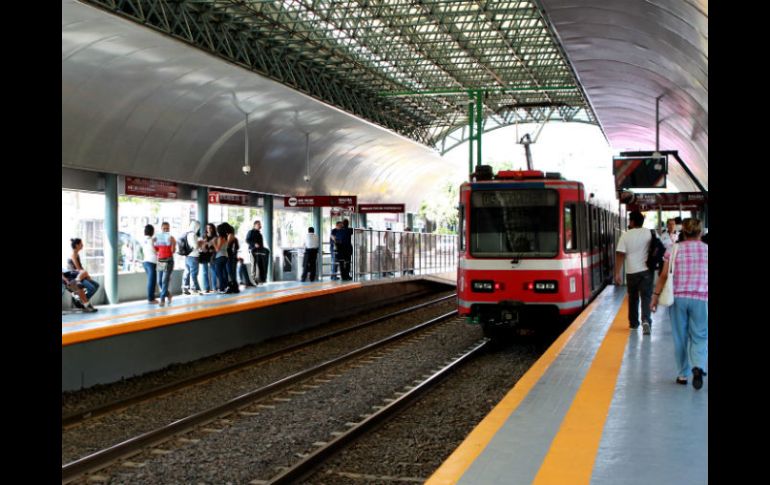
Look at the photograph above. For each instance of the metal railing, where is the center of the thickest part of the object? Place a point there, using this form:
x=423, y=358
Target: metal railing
x=387, y=254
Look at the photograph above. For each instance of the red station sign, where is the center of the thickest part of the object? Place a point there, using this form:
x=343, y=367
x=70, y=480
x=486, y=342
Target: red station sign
x=381, y=208
x=151, y=188
x=343, y=201
x=229, y=198
x=663, y=201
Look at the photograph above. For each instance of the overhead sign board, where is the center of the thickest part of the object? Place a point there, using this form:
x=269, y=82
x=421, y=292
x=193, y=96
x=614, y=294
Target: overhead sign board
x=344, y=201
x=664, y=201
x=151, y=188
x=639, y=172
x=229, y=198
x=381, y=208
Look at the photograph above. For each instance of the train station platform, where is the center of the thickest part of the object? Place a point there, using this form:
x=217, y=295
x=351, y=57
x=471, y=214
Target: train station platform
x=600, y=407
x=129, y=339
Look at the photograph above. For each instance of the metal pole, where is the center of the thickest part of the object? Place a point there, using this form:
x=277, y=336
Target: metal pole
x=470, y=138
x=479, y=120
x=111, y=242
x=267, y=234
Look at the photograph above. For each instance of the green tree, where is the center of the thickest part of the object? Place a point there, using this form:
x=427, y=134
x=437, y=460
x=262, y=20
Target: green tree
x=442, y=209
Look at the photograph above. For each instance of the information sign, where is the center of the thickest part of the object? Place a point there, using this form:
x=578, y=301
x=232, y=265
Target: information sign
x=151, y=188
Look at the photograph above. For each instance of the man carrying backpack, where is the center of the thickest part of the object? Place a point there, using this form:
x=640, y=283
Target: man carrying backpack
x=633, y=249
x=189, y=246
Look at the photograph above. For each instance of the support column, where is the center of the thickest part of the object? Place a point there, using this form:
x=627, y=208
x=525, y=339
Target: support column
x=470, y=137
x=410, y=220
x=203, y=207
x=362, y=218
x=318, y=226
x=267, y=234
x=111, y=241
x=479, y=127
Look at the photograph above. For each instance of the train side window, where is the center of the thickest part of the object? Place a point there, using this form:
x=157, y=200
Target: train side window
x=570, y=228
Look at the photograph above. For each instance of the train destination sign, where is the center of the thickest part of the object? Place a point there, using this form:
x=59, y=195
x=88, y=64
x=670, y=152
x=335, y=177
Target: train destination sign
x=344, y=201
x=229, y=198
x=151, y=188
x=381, y=208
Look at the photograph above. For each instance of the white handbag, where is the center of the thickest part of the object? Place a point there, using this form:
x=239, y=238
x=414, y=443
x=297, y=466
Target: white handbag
x=666, y=297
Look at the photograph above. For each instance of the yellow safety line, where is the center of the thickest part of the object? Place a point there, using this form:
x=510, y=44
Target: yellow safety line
x=461, y=459
x=161, y=321
x=573, y=450
x=201, y=302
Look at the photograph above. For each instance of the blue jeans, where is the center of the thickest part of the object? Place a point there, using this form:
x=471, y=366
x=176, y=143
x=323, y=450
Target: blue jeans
x=90, y=287
x=690, y=329
x=207, y=283
x=220, y=266
x=152, y=279
x=165, y=278
x=232, y=273
x=191, y=271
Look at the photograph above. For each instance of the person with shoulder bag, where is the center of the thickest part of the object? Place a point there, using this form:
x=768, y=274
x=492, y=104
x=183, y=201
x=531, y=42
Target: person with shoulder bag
x=205, y=258
x=688, y=281
x=165, y=245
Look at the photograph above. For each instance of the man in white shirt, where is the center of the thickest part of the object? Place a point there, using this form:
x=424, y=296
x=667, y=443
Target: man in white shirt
x=670, y=235
x=192, y=261
x=632, y=249
x=311, y=254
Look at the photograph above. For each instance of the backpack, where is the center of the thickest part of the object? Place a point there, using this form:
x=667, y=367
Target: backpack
x=183, y=245
x=655, y=253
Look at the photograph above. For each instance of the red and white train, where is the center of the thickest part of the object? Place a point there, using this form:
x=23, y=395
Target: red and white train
x=533, y=248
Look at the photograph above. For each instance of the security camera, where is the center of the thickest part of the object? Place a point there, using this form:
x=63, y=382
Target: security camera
x=306, y=178
x=246, y=169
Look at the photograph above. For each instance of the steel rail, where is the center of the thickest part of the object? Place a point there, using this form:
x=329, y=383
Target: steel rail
x=81, y=416
x=310, y=463
x=102, y=458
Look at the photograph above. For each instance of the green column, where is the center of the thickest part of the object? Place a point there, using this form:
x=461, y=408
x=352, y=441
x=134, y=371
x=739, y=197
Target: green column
x=410, y=220
x=111, y=242
x=479, y=127
x=318, y=226
x=362, y=218
x=470, y=138
x=203, y=208
x=267, y=235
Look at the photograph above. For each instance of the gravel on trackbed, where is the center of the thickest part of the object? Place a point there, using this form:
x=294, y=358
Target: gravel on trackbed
x=113, y=428
x=80, y=400
x=255, y=446
x=413, y=445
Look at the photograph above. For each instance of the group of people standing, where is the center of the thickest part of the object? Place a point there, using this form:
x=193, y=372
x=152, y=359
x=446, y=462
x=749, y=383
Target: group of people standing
x=688, y=254
x=215, y=252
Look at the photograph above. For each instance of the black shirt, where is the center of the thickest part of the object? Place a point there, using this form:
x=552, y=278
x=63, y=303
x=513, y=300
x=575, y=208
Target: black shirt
x=254, y=239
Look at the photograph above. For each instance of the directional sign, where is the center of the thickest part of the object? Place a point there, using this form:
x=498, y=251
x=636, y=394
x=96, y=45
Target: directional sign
x=381, y=208
x=229, y=198
x=151, y=188
x=344, y=201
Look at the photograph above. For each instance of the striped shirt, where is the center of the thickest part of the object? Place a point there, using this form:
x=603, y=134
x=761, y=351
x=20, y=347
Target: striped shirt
x=691, y=277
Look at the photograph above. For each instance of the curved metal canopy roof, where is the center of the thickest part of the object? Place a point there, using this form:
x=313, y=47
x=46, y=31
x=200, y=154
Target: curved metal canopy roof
x=627, y=54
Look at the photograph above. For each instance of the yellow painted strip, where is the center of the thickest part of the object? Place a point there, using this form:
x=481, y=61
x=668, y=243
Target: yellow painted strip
x=161, y=321
x=201, y=302
x=573, y=451
x=461, y=459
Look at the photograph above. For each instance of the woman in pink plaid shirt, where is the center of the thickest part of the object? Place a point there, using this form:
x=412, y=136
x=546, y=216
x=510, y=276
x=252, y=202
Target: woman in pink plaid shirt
x=689, y=313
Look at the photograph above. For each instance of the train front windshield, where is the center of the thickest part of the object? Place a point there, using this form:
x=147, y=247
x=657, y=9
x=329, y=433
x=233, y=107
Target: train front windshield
x=514, y=223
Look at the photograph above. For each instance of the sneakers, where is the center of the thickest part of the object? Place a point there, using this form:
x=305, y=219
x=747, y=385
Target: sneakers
x=697, y=377
x=77, y=303
x=185, y=291
x=162, y=302
x=89, y=308
x=681, y=380
x=645, y=328
x=633, y=326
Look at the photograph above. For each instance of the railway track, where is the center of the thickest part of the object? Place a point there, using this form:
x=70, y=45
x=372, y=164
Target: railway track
x=77, y=418
x=103, y=458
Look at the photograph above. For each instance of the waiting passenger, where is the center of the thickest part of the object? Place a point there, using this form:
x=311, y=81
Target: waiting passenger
x=73, y=264
x=232, y=260
x=150, y=262
x=259, y=253
x=689, y=313
x=670, y=235
x=70, y=282
x=192, y=260
x=207, y=253
x=632, y=249
x=165, y=244
x=344, y=242
x=311, y=254
x=334, y=250
x=220, y=258
x=407, y=252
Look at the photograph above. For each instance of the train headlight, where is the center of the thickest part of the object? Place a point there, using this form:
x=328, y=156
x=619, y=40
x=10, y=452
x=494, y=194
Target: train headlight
x=546, y=286
x=483, y=286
